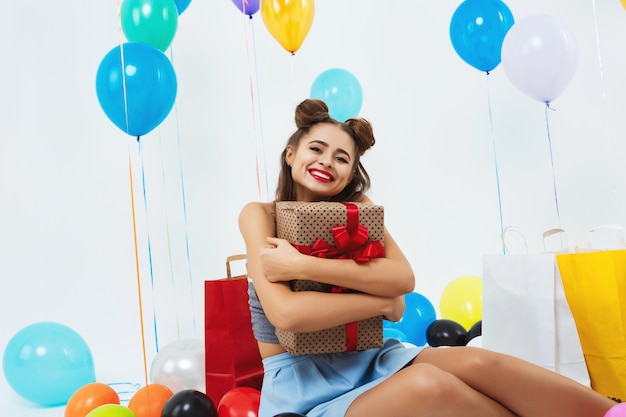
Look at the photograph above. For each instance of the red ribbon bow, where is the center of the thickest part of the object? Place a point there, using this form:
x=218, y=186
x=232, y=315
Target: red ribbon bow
x=350, y=243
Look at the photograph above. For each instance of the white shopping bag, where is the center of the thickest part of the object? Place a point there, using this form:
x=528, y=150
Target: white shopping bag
x=525, y=313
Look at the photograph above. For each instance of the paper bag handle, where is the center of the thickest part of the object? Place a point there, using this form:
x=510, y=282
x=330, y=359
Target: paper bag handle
x=519, y=232
x=551, y=232
x=233, y=258
x=616, y=227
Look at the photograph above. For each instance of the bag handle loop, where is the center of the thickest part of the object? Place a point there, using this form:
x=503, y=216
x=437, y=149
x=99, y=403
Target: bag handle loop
x=616, y=227
x=551, y=232
x=233, y=258
x=517, y=230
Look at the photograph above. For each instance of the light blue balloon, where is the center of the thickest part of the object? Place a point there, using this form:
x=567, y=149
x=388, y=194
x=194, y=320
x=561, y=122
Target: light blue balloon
x=341, y=91
x=47, y=362
x=477, y=30
x=181, y=5
x=395, y=334
x=139, y=96
x=418, y=315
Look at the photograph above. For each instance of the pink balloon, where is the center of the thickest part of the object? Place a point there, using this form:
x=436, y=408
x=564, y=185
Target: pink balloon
x=540, y=56
x=618, y=410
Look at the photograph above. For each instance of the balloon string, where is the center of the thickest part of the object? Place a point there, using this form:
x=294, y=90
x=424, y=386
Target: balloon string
x=184, y=202
x=137, y=269
x=606, y=114
x=495, y=161
x=293, y=80
x=256, y=111
x=145, y=202
x=167, y=231
x=556, y=198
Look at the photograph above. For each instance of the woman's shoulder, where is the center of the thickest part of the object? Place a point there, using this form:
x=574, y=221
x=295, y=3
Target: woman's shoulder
x=259, y=207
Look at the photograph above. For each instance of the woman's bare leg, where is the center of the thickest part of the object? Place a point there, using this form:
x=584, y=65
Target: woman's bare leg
x=423, y=390
x=526, y=389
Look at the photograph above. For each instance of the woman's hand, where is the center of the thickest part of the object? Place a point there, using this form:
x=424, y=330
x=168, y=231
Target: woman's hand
x=280, y=260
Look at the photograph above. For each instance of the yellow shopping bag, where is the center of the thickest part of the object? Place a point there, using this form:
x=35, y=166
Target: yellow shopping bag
x=595, y=287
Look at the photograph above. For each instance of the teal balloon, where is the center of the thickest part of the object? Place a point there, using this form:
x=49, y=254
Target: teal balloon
x=419, y=313
x=139, y=96
x=477, y=31
x=151, y=21
x=341, y=91
x=46, y=362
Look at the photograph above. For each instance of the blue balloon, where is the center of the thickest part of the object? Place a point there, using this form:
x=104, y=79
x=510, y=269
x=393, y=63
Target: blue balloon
x=418, y=315
x=141, y=96
x=181, y=5
x=47, y=362
x=341, y=91
x=477, y=30
x=394, y=333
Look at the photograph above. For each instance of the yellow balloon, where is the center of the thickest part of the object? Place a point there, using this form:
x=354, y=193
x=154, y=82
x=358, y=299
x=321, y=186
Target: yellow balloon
x=623, y=3
x=462, y=301
x=288, y=21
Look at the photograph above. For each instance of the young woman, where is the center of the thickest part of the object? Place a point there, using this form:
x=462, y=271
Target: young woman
x=321, y=162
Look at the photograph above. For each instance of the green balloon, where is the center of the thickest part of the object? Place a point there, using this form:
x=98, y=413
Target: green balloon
x=150, y=21
x=111, y=410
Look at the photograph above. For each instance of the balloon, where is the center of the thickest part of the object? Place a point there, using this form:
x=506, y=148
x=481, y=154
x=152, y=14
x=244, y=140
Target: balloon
x=475, y=331
x=462, y=301
x=540, y=57
x=288, y=21
x=150, y=21
x=391, y=332
x=181, y=5
x=111, y=410
x=618, y=410
x=89, y=397
x=240, y=402
x=47, y=362
x=419, y=313
x=477, y=30
x=149, y=400
x=623, y=3
x=341, y=91
x=180, y=365
x=189, y=403
x=138, y=98
x=445, y=332
x=248, y=7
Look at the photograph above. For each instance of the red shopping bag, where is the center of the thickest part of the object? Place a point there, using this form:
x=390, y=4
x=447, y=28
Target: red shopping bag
x=232, y=354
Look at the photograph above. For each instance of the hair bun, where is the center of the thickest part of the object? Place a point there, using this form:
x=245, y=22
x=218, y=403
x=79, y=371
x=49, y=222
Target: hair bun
x=363, y=133
x=310, y=112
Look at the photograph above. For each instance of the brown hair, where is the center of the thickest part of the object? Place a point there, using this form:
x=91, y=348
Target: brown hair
x=309, y=113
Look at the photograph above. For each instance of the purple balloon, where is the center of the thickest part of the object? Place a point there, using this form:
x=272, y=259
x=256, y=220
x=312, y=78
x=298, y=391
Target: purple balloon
x=248, y=7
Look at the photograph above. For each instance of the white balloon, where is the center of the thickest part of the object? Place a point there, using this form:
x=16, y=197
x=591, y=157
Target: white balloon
x=540, y=56
x=180, y=366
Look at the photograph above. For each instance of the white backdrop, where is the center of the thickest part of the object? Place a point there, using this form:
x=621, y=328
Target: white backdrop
x=67, y=250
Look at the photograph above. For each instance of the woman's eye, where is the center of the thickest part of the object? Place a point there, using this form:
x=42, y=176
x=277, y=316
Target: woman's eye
x=315, y=149
x=342, y=159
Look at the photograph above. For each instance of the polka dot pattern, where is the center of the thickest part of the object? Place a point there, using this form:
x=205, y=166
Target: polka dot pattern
x=302, y=223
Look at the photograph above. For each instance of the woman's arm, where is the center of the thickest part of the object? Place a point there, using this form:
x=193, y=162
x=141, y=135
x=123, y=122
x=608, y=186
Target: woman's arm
x=306, y=310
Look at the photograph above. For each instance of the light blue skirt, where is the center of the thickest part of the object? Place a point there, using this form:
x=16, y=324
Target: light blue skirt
x=325, y=385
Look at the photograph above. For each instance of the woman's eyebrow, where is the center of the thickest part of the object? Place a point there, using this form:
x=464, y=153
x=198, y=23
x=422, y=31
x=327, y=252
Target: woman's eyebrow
x=340, y=150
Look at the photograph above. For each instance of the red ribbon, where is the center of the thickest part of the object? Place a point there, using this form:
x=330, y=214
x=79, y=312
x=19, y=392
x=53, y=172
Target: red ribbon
x=350, y=243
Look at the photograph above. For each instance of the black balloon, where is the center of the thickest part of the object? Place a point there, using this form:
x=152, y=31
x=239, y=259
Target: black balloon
x=475, y=331
x=189, y=403
x=446, y=333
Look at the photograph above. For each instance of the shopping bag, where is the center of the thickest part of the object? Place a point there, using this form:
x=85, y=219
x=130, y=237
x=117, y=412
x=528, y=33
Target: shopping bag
x=595, y=287
x=232, y=353
x=525, y=313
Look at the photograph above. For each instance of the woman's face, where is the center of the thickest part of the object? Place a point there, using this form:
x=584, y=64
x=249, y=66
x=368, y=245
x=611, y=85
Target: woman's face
x=322, y=165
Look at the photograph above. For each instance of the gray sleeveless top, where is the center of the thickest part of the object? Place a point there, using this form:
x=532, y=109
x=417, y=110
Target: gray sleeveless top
x=263, y=330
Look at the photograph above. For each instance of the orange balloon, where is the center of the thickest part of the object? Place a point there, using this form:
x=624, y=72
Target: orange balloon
x=89, y=397
x=288, y=21
x=149, y=400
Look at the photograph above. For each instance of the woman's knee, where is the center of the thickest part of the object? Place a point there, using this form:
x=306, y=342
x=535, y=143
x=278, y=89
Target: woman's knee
x=428, y=383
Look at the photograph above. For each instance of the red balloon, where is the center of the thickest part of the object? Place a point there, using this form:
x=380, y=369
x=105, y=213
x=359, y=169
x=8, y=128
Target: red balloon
x=240, y=402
